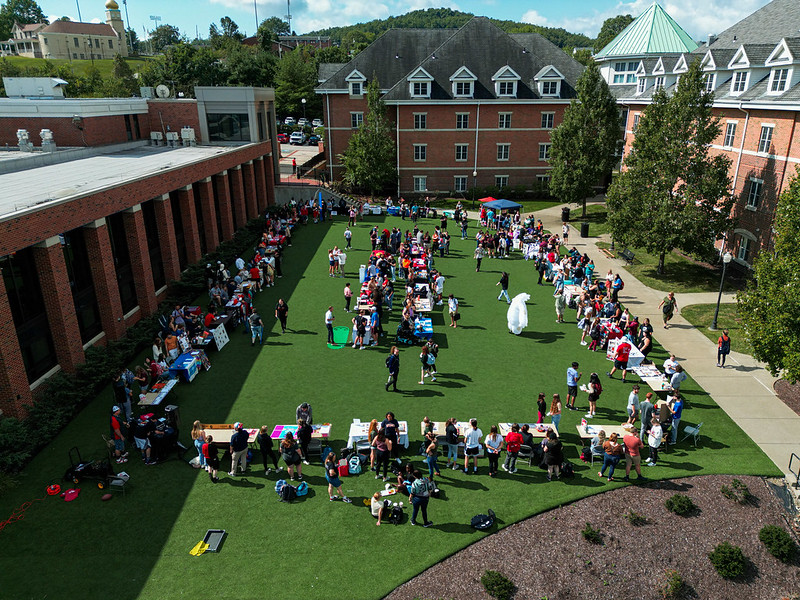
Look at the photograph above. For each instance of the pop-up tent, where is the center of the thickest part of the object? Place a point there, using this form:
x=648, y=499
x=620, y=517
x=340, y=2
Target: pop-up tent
x=502, y=205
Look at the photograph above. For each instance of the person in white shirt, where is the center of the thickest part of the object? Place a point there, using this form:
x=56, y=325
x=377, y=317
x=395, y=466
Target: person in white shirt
x=329, y=318
x=240, y=264
x=342, y=260
x=439, y=287
x=472, y=445
x=654, y=441
x=452, y=308
x=633, y=404
x=670, y=365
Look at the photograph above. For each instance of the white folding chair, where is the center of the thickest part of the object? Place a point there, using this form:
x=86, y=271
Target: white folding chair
x=693, y=432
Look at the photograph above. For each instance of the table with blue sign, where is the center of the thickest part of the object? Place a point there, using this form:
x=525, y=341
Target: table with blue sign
x=423, y=328
x=187, y=365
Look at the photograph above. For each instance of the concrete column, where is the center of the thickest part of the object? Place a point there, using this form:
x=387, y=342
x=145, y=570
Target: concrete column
x=58, y=303
x=166, y=238
x=225, y=211
x=261, y=184
x=250, y=189
x=206, y=191
x=14, y=388
x=237, y=193
x=269, y=176
x=140, y=259
x=189, y=218
x=104, y=277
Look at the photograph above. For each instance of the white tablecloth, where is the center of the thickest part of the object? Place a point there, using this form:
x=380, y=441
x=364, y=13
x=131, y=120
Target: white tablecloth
x=358, y=432
x=635, y=358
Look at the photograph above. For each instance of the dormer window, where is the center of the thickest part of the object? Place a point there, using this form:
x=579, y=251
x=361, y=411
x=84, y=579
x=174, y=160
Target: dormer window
x=549, y=81
x=463, y=83
x=462, y=89
x=355, y=82
x=642, y=84
x=659, y=83
x=739, y=84
x=355, y=88
x=778, y=81
x=507, y=88
x=505, y=82
x=420, y=89
x=550, y=88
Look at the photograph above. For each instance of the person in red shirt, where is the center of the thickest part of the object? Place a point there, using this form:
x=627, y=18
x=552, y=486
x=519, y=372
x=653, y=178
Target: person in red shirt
x=210, y=317
x=633, y=446
x=513, y=443
x=621, y=359
x=119, y=435
x=255, y=275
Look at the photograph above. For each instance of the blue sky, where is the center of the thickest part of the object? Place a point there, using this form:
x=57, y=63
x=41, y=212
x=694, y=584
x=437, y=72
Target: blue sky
x=699, y=18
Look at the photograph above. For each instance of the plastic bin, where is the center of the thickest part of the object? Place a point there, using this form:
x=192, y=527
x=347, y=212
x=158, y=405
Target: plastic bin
x=565, y=214
x=584, y=230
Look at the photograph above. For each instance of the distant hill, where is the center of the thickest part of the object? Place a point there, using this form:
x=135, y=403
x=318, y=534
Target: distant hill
x=445, y=18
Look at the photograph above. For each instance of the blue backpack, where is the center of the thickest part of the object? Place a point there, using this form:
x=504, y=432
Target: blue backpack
x=302, y=489
x=279, y=485
x=355, y=464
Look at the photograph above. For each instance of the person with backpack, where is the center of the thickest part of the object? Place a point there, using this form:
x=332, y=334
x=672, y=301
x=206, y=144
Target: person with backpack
x=723, y=348
x=393, y=364
x=332, y=477
x=595, y=389
x=513, y=443
x=256, y=328
x=668, y=307
x=211, y=455
x=290, y=452
x=428, y=361
x=419, y=493
x=265, y=445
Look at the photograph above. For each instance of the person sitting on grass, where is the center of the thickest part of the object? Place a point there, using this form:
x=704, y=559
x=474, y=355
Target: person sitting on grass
x=332, y=477
x=378, y=506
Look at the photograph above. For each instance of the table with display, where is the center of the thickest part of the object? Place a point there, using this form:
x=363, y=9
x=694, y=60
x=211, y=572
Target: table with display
x=359, y=432
x=537, y=430
x=590, y=430
x=222, y=433
x=655, y=379
x=440, y=427
x=156, y=394
x=571, y=291
x=635, y=357
x=319, y=432
x=186, y=366
x=423, y=328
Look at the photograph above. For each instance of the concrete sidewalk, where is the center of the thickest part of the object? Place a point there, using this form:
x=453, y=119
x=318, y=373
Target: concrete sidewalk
x=744, y=390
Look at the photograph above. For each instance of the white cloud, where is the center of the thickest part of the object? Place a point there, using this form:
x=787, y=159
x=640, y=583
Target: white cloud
x=534, y=18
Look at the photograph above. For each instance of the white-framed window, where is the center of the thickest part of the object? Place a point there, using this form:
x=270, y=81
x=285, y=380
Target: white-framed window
x=642, y=84
x=744, y=249
x=501, y=181
x=503, y=151
x=625, y=72
x=420, y=152
x=636, y=119
x=420, y=89
x=420, y=120
x=710, y=79
x=356, y=88
x=779, y=78
x=462, y=89
x=548, y=118
x=356, y=119
x=460, y=183
x=543, y=178
x=544, y=152
x=739, y=84
x=550, y=88
x=730, y=134
x=420, y=183
x=659, y=83
x=462, y=151
x=765, y=139
x=504, y=121
x=506, y=88
x=462, y=120
x=754, y=193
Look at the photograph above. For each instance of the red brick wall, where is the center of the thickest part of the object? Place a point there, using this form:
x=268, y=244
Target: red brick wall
x=175, y=114
x=96, y=130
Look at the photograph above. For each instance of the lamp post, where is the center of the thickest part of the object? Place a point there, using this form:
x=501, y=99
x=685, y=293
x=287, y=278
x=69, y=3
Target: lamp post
x=474, y=185
x=303, y=101
x=726, y=258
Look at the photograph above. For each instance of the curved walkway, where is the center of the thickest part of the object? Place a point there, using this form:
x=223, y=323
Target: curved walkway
x=744, y=390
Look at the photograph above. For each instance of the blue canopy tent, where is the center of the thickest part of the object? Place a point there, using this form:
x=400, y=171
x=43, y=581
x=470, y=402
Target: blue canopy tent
x=502, y=205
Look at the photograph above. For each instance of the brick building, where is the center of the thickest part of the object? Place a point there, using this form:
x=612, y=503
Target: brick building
x=472, y=106
x=753, y=69
x=92, y=234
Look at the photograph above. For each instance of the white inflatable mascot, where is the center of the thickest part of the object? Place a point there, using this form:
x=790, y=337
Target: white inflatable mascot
x=518, y=313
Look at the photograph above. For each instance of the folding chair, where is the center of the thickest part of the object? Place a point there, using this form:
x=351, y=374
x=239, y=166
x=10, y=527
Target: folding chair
x=525, y=452
x=693, y=432
x=596, y=454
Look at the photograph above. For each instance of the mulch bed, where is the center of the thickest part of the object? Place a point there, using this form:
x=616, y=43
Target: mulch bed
x=547, y=558
x=789, y=393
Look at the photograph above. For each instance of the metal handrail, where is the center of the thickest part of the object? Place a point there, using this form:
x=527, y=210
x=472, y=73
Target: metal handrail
x=795, y=473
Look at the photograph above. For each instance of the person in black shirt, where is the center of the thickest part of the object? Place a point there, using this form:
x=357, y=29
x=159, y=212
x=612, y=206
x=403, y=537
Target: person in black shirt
x=265, y=444
x=238, y=449
x=211, y=454
x=304, y=431
x=392, y=427
x=281, y=312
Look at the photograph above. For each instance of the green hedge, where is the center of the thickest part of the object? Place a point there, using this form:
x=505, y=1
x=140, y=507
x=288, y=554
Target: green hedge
x=63, y=395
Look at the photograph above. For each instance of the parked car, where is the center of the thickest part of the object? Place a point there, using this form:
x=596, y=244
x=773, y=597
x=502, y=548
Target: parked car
x=313, y=139
x=288, y=121
x=302, y=122
x=283, y=138
x=298, y=138
x=316, y=123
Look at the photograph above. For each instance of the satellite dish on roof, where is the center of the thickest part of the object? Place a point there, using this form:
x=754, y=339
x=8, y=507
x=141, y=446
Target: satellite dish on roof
x=162, y=91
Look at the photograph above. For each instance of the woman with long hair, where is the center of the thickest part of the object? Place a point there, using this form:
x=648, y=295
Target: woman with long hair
x=612, y=452
x=267, y=453
x=541, y=405
x=290, y=452
x=332, y=477
x=451, y=436
x=432, y=454
x=595, y=389
x=199, y=438
x=493, y=443
x=372, y=431
x=383, y=446
x=553, y=455
x=555, y=410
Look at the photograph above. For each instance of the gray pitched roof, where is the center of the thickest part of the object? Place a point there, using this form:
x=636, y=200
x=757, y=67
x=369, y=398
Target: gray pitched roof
x=794, y=46
x=776, y=20
x=759, y=53
x=328, y=70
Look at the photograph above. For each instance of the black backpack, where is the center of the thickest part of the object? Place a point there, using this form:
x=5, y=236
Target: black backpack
x=483, y=522
x=345, y=452
x=396, y=516
x=567, y=470
x=288, y=493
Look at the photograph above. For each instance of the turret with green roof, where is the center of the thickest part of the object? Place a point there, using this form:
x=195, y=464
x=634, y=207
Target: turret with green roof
x=652, y=32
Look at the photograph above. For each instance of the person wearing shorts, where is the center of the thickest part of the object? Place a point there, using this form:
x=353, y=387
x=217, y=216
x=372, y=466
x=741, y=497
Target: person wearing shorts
x=332, y=477
x=472, y=445
x=572, y=385
x=633, y=446
x=668, y=307
x=621, y=360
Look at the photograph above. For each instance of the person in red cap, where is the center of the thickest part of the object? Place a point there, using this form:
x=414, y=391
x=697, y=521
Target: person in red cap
x=238, y=449
x=119, y=435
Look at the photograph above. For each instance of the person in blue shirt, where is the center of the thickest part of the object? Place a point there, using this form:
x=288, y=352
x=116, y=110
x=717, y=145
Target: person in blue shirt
x=676, y=409
x=616, y=287
x=572, y=385
x=375, y=326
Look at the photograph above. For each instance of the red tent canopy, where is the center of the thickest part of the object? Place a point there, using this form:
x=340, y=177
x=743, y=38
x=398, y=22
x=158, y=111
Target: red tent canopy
x=487, y=199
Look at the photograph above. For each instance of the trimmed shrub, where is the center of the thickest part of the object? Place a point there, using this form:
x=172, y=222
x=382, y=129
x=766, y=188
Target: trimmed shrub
x=680, y=505
x=635, y=518
x=675, y=586
x=728, y=560
x=778, y=541
x=497, y=585
x=592, y=535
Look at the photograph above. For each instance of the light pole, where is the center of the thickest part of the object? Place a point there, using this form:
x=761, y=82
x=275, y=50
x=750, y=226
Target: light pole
x=726, y=258
x=303, y=102
x=474, y=185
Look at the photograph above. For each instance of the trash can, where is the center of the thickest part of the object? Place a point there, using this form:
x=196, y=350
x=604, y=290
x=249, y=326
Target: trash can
x=565, y=214
x=584, y=230
x=172, y=415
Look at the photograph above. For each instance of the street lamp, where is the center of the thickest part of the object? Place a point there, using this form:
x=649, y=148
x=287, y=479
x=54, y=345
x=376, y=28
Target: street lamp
x=303, y=101
x=474, y=185
x=726, y=258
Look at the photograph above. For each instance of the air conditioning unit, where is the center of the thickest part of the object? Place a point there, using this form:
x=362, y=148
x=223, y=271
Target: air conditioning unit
x=147, y=92
x=48, y=143
x=23, y=141
x=156, y=138
x=172, y=138
x=188, y=136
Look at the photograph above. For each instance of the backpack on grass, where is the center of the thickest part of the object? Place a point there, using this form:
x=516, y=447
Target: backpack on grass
x=289, y=493
x=483, y=522
x=302, y=489
x=567, y=470
x=355, y=464
x=396, y=516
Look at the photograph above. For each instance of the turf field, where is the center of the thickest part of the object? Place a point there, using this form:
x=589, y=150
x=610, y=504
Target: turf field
x=138, y=546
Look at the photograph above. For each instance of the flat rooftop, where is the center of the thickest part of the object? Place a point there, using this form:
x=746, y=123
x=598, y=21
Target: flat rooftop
x=34, y=189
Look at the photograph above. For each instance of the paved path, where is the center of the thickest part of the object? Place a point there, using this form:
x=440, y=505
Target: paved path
x=743, y=390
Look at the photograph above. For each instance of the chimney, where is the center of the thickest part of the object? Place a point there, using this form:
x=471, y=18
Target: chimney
x=711, y=38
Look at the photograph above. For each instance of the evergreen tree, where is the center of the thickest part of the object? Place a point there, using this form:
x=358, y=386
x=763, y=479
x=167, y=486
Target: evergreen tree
x=585, y=144
x=295, y=79
x=672, y=192
x=369, y=161
x=770, y=307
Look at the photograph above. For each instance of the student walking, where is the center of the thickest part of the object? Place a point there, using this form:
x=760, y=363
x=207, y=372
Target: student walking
x=668, y=306
x=419, y=493
x=281, y=312
x=348, y=297
x=723, y=348
x=504, y=287
x=393, y=364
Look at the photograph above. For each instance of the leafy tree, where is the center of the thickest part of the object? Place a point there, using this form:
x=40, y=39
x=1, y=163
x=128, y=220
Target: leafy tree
x=672, y=193
x=164, y=36
x=23, y=12
x=294, y=80
x=369, y=161
x=251, y=66
x=182, y=67
x=122, y=83
x=584, y=146
x=331, y=54
x=64, y=19
x=269, y=30
x=770, y=307
x=582, y=55
x=134, y=44
x=227, y=35
x=610, y=29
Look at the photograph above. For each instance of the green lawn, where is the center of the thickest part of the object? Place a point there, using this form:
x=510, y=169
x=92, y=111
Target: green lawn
x=596, y=215
x=528, y=206
x=702, y=315
x=681, y=275
x=138, y=545
x=79, y=67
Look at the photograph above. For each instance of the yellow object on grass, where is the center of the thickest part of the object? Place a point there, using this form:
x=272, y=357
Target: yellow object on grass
x=199, y=549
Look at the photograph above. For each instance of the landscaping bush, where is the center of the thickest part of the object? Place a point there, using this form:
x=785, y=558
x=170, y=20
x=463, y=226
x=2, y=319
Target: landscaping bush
x=728, y=560
x=497, y=585
x=592, y=535
x=680, y=505
x=738, y=492
x=675, y=587
x=635, y=518
x=778, y=541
